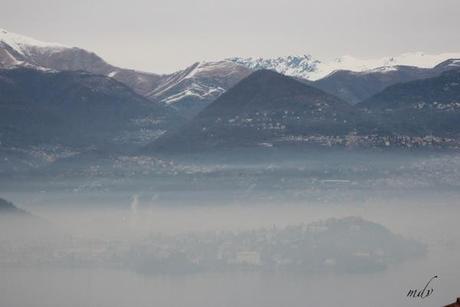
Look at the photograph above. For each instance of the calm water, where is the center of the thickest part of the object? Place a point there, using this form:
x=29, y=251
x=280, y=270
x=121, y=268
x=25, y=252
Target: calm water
x=433, y=224
x=60, y=287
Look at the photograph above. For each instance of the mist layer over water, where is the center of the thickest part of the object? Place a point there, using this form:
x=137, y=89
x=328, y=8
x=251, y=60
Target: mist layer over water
x=223, y=219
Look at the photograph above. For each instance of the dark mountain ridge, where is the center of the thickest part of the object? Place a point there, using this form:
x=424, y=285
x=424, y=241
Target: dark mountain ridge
x=354, y=87
x=428, y=106
x=71, y=107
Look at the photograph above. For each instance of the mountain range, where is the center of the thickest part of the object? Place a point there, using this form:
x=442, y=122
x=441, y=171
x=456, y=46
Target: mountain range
x=268, y=109
x=193, y=88
x=308, y=68
x=188, y=90
x=59, y=95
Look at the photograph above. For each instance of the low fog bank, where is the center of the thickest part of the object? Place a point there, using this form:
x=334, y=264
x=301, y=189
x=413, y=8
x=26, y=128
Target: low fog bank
x=355, y=229
x=306, y=237
x=329, y=177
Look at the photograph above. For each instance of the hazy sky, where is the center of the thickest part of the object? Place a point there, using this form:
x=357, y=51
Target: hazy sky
x=164, y=35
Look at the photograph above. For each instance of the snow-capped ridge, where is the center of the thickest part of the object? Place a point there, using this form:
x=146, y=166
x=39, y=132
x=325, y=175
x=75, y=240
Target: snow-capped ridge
x=21, y=43
x=307, y=67
x=202, y=81
x=296, y=66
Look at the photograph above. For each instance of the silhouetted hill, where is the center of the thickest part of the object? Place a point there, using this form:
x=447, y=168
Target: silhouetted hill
x=8, y=207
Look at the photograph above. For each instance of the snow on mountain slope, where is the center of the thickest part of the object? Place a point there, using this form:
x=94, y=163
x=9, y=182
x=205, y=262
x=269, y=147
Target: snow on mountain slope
x=197, y=84
x=18, y=50
x=306, y=67
x=296, y=66
x=193, y=88
x=21, y=51
x=25, y=45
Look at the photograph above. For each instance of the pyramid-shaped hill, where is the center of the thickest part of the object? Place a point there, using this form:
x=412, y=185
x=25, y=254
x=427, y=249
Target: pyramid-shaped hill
x=263, y=109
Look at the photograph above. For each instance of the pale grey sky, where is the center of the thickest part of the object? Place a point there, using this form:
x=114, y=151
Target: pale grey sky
x=165, y=35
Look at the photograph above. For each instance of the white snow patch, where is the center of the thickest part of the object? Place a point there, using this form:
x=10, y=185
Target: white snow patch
x=212, y=68
x=307, y=67
x=196, y=90
x=21, y=43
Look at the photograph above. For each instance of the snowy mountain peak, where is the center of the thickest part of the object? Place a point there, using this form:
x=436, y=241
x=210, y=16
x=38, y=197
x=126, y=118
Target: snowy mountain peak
x=307, y=67
x=213, y=69
x=201, y=82
x=21, y=44
x=298, y=66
